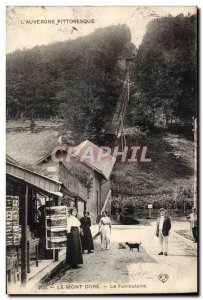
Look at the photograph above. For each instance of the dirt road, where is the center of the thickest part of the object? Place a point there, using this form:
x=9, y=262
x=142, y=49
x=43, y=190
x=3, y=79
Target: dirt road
x=119, y=270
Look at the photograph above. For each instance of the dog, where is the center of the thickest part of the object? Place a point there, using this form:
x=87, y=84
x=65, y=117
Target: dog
x=134, y=246
x=121, y=246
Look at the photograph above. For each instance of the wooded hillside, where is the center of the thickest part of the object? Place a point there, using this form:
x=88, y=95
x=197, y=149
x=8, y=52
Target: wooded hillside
x=165, y=72
x=76, y=79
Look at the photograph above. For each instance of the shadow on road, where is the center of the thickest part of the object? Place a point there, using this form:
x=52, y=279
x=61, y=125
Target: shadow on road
x=186, y=255
x=108, y=266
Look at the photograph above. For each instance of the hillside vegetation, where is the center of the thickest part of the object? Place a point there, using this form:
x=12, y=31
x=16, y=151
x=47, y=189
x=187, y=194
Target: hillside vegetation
x=165, y=73
x=166, y=180
x=76, y=79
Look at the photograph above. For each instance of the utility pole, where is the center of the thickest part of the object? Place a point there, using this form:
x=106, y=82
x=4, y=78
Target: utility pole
x=195, y=162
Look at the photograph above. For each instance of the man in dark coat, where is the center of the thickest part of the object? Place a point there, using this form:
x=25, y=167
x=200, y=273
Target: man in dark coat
x=162, y=231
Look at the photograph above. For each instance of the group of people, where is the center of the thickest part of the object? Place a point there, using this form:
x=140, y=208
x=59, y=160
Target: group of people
x=80, y=240
x=79, y=237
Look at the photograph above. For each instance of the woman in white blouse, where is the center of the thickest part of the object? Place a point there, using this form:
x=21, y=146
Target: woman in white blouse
x=74, y=248
x=105, y=229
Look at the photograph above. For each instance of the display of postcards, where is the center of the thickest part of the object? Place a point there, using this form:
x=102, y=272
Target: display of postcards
x=16, y=241
x=9, y=217
x=9, y=223
x=9, y=202
x=15, y=216
x=15, y=212
x=56, y=244
x=9, y=240
x=15, y=223
x=16, y=229
x=56, y=210
x=9, y=209
x=15, y=207
x=57, y=240
x=55, y=234
x=16, y=201
x=9, y=235
x=16, y=234
x=9, y=243
x=12, y=220
x=9, y=229
x=59, y=221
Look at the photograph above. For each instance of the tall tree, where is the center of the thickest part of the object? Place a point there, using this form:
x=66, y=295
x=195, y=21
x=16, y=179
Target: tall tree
x=165, y=70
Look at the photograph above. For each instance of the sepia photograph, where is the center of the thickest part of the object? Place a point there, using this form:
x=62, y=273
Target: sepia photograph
x=102, y=150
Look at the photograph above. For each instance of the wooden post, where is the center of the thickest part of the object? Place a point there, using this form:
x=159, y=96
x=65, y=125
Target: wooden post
x=37, y=255
x=24, y=238
x=28, y=256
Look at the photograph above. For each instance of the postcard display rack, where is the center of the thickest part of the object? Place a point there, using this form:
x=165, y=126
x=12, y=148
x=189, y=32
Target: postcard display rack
x=56, y=227
x=12, y=221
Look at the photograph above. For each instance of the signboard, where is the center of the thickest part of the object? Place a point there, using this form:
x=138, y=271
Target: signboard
x=12, y=221
x=150, y=205
x=56, y=227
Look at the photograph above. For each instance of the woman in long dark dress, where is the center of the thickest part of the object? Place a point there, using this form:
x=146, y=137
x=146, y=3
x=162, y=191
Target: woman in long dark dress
x=74, y=248
x=86, y=237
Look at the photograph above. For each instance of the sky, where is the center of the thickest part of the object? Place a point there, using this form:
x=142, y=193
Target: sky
x=20, y=34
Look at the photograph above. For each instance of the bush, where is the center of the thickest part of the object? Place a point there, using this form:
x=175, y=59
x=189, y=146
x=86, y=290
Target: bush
x=128, y=220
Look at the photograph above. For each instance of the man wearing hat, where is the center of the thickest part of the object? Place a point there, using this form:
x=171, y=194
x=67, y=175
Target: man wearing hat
x=193, y=223
x=162, y=231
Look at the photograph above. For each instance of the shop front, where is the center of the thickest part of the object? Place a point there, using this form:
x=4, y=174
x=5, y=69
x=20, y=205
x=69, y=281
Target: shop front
x=33, y=234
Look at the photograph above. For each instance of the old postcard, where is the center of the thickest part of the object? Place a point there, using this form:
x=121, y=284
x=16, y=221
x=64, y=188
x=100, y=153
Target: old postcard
x=101, y=158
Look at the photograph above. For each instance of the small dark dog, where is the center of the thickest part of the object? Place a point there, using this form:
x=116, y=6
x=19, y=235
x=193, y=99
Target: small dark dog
x=134, y=246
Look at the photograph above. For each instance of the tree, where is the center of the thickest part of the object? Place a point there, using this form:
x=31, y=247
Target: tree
x=165, y=72
x=78, y=75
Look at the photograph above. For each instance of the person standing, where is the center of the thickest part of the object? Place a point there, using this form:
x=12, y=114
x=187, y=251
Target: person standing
x=32, y=125
x=162, y=231
x=118, y=213
x=74, y=248
x=193, y=223
x=86, y=236
x=105, y=229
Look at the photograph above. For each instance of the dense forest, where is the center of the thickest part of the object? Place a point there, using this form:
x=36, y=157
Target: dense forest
x=79, y=79
x=165, y=72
